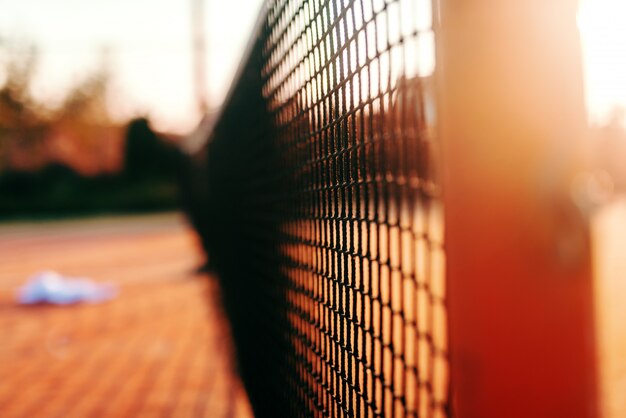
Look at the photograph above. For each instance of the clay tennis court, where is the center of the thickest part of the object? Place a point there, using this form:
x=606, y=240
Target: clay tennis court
x=160, y=349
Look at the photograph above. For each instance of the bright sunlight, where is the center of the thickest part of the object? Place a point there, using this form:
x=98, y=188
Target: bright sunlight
x=602, y=25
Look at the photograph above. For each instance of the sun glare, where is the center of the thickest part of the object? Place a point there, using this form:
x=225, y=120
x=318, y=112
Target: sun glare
x=602, y=25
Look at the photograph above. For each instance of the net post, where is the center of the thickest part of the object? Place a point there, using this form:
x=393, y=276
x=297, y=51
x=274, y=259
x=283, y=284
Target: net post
x=511, y=115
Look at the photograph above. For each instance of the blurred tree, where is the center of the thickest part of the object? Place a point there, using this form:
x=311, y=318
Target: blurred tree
x=86, y=101
x=78, y=133
x=85, y=136
x=21, y=124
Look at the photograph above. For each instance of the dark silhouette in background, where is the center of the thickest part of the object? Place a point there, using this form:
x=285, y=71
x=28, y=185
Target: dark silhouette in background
x=148, y=157
x=147, y=181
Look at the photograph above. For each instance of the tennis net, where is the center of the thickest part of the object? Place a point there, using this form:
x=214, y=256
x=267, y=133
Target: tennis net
x=323, y=212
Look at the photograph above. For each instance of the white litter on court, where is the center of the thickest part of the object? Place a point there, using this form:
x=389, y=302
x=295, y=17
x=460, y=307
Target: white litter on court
x=52, y=287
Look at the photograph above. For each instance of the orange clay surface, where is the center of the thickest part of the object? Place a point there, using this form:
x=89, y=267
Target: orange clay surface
x=160, y=349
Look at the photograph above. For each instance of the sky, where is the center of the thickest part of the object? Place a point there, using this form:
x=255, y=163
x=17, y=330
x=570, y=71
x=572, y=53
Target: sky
x=149, y=50
x=149, y=44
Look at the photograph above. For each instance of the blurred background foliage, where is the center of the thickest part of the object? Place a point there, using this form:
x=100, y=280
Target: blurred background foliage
x=73, y=158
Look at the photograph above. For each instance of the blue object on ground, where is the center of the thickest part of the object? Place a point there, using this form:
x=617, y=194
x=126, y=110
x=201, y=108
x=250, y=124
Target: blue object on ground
x=51, y=287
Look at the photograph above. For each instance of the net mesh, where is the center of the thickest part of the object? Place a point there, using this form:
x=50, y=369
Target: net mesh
x=324, y=214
